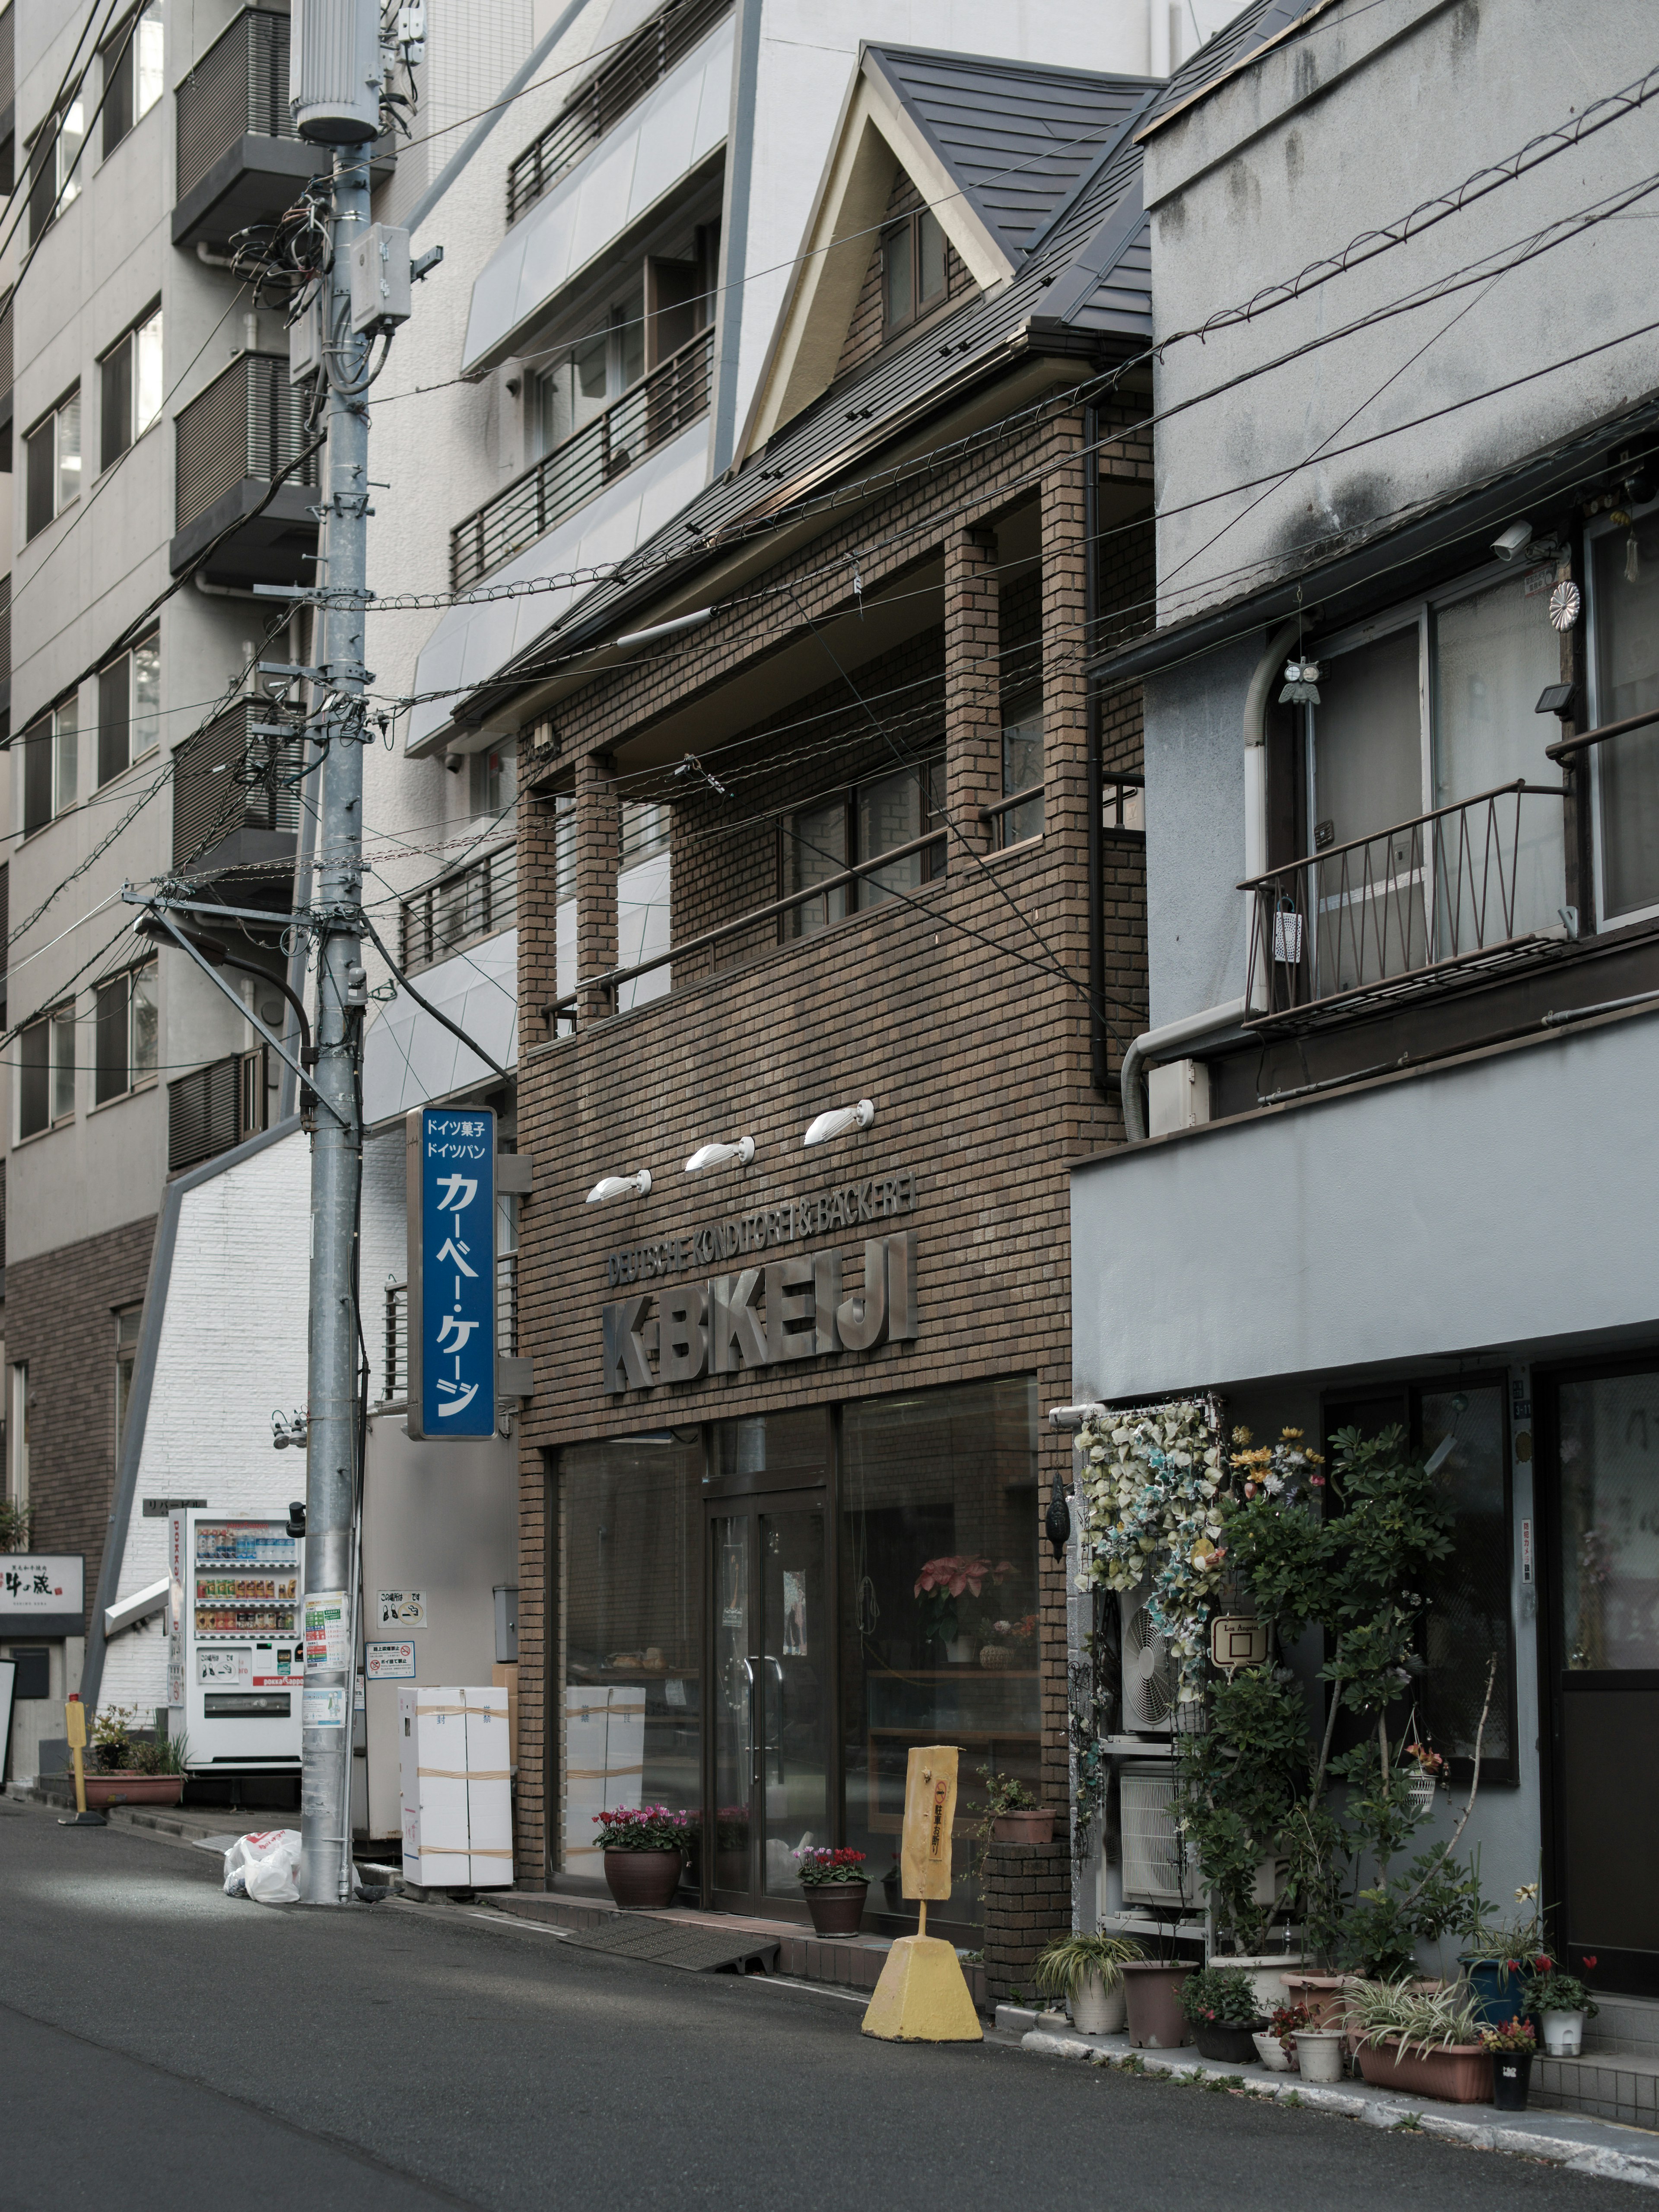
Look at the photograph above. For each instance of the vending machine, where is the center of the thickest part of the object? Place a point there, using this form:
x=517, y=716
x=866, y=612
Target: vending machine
x=236, y=1645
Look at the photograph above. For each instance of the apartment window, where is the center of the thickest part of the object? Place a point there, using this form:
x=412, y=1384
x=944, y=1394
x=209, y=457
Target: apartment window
x=17, y=1435
x=125, y=1050
x=45, y=1075
x=53, y=464
x=493, y=775
x=52, y=756
x=127, y=1325
x=1022, y=770
x=129, y=388
x=583, y=383
x=54, y=177
x=133, y=76
x=860, y=824
x=1624, y=566
x=129, y=708
x=913, y=272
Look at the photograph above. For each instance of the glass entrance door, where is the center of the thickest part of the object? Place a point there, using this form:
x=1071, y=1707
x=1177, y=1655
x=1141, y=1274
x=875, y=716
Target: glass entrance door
x=769, y=1615
x=1604, y=1670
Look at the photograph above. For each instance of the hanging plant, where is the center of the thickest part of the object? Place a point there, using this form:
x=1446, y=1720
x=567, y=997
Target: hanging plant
x=1149, y=1488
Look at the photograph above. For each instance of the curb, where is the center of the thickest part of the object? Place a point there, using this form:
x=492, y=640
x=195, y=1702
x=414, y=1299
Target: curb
x=1376, y=2110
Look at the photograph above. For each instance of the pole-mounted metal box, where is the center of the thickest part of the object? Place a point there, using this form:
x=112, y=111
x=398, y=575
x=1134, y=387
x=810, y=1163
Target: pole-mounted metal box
x=335, y=70
x=380, y=279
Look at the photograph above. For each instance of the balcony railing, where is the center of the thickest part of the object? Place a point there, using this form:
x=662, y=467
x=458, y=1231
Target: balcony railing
x=477, y=902
x=248, y=424
x=658, y=408
x=234, y=779
x=1473, y=884
x=216, y=1107
x=639, y=66
x=238, y=89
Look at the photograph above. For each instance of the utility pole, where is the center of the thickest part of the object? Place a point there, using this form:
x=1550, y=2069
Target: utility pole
x=338, y=106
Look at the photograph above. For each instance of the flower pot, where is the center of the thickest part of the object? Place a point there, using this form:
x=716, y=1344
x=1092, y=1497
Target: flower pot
x=1325, y=1995
x=1320, y=2052
x=642, y=1882
x=996, y=1656
x=104, y=1791
x=1459, y=2073
x=1036, y=1827
x=1221, y=2039
x=960, y=1652
x=1272, y=2054
x=1267, y=1970
x=836, y=1907
x=1511, y=2070
x=1152, y=1994
x=1564, y=2034
x=1499, y=1990
x=1097, y=2010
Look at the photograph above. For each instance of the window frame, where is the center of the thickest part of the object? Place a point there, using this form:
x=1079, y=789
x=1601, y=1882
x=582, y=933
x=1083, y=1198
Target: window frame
x=912, y=221
x=126, y=1362
x=930, y=769
x=1603, y=526
x=131, y=719
x=135, y=1079
x=17, y=1433
x=52, y=421
x=1016, y=715
x=59, y=1022
x=48, y=729
x=123, y=54
x=48, y=149
x=128, y=348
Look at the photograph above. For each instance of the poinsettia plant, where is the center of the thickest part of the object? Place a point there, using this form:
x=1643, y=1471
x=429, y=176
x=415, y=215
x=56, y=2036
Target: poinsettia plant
x=943, y=1583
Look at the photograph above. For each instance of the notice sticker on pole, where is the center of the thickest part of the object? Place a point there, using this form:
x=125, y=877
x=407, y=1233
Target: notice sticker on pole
x=323, y=1709
x=450, y=1183
x=328, y=1630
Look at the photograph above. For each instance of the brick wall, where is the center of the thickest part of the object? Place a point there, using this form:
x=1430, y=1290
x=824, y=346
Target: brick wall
x=1028, y=1903
x=60, y=1317
x=963, y=1016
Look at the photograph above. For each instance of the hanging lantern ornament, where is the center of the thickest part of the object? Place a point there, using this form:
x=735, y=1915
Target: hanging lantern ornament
x=1566, y=602
x=1301, y=683
x=1057, y=1522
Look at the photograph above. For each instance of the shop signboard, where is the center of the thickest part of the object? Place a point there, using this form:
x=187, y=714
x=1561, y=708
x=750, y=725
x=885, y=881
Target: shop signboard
x=42, y=1594
x=452, y=1272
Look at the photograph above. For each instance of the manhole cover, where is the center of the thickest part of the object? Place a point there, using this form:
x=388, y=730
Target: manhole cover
x=699, y=1950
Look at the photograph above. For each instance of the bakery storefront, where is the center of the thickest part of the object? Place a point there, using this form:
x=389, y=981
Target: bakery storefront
x=759, y=1614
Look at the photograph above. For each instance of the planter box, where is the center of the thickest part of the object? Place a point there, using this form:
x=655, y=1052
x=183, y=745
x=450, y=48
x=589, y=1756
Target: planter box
x=104, y=1791
x=1036, y=1827
x=1459, y=2075
x=1267, y=1970
x=1324, y=1995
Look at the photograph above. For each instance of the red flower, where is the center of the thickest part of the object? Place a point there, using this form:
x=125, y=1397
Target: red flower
x=1544, y=1966
x=1588, y=1962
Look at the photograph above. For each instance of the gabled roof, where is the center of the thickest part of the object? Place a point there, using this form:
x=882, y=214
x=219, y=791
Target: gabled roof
x=1083, y=285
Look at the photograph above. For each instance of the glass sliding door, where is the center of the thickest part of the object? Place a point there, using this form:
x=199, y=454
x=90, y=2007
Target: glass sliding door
x=1624, y=632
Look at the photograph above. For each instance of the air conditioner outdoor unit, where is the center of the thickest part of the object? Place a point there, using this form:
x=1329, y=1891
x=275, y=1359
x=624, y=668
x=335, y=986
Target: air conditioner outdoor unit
x=1152, y=1849
x=1149, y=1669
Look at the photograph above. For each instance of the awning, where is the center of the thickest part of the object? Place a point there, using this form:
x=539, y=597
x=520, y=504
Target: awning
x=640, y=162
x=408, y=1058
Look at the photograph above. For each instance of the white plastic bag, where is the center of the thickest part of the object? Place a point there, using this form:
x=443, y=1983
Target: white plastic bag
x=264, y=1867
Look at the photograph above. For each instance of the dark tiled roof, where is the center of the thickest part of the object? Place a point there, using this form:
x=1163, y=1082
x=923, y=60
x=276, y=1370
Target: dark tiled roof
x=1089, y=272
x=1018, y=139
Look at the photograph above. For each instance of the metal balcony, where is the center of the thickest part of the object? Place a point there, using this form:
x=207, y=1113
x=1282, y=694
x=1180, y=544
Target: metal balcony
x=216, y=1107
x=476, y=901
x=1427, y=905
x=658, y=408
x=240, y=161
x=234, y=439
x=236, y=802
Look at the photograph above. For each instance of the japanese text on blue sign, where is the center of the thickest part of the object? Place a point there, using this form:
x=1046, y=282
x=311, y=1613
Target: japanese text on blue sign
x=457, y=1317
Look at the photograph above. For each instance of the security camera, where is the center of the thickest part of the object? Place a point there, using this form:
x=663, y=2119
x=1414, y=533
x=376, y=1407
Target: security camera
x=1509, y=544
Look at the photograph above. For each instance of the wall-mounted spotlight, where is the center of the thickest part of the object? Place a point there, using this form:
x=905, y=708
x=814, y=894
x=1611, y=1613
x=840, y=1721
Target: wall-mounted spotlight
x=839, y=1121
x=722, y=1155
x=634, y=1186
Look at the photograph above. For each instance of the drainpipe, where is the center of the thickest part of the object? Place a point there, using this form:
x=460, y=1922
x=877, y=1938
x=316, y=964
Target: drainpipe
x=1215, y=1023
x=1099, y=1062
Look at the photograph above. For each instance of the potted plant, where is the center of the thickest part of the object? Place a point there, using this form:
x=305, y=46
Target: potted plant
x=1152, y=1991
x=1088, y=1971
x=1511, y=2045
x=1500, y=1957
x=1418, y=2039
x=836, y=1885
x=1275, y=2043
x=1563, y=2003
x=940, y=1589
x=1012, y=1815
x=1013, y=1645
x=1219, y=2004
x=644, y=1848
x=129, y=1771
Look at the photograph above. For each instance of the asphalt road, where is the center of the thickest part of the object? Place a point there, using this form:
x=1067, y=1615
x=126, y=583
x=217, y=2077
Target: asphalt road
x=163, y=2045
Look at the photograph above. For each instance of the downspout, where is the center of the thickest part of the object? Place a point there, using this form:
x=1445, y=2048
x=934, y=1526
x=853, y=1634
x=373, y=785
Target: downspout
x=1099, y=1042
x=1215, y=1022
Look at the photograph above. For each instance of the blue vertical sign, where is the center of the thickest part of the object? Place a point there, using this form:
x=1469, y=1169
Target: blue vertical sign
x=452, y=1272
